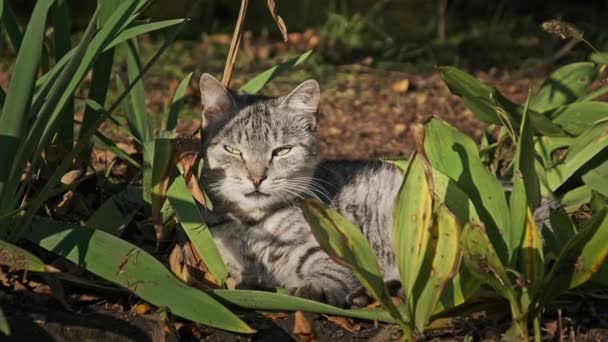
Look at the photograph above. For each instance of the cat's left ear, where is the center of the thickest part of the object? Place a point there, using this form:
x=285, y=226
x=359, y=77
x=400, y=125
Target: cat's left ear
x=304, y=99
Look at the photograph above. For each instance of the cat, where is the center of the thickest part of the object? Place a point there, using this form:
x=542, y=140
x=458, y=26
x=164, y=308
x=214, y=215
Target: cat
x=261, y=158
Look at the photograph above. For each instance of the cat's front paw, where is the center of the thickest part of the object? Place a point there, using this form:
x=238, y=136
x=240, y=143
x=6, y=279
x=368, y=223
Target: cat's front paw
x=331, y=296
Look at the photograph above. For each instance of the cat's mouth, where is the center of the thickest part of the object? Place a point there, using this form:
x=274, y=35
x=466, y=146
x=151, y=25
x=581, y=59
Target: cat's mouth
x=256, y=194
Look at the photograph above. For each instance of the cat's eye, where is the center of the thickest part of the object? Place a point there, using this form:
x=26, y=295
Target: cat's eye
x=232, y=150
x=281, y=151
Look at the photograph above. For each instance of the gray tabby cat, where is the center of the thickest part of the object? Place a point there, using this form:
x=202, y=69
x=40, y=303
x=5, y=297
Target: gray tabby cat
x=261, y=159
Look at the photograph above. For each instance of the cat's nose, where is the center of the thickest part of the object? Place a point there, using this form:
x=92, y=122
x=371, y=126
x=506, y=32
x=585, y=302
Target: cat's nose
x=257, y=180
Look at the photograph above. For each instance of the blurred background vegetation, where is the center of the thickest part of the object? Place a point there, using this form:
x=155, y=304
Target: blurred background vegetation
x=417, y=34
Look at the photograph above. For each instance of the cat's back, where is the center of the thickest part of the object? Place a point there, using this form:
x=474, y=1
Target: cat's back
x=364, y=192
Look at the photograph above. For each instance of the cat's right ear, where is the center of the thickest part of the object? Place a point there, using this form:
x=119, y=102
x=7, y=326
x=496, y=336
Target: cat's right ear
x=216, y=100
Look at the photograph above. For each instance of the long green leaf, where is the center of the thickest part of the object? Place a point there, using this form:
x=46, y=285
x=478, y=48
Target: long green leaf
x=190, y=218
x=257, y=83
x=576, y=117
x=177, y=103
x=63, y=44
x=9, y=22
x=597, y=178
x=139, y=29
x=565, y=85
x=412, y=217
x=116, y=212
x=580, y=258
x=270, y=301
x=13, y=122
x=344, y=241
x=589, y=144
x=444, y=266
x=17, y=258
x=455, y=155
x=4, y=327
x=138, y=122
x=129, y=266
x=107, y=144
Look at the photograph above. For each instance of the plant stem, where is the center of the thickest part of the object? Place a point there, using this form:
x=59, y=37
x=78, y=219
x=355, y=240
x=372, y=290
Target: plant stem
x=536, y=322
x=234, y=45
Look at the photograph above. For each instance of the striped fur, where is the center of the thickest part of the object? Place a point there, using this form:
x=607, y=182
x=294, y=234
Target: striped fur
x=264, y=239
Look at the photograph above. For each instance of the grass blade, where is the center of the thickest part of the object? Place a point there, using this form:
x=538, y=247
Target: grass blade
x=15, y=111
x=177, y=103
x=9, y=22
x=139, y=29
x=62, y=33
x=138, y=121
x=257, y=83
x=127, y=265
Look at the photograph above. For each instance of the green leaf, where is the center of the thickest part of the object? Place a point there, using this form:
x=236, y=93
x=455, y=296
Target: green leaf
x=565, y=85
x=597, y=178
x=131, y=267
x=576, y=117
x=10, y=24
x=116, y=212
x=562, y=230
x=177, y=103
x=345, y=242
x=62, y=39
x=17, y=258
x=270, y=301
x=545, y=146
x=107, y=144
x=412, y=219
x=13, y=122
x=589, y=144
x=455, y=155
x=138, y=120
x=490, y=106
x=257, y=83
x=139, y=29
x=444, y=266
x=599, y=57
x=481, y=259
x=4, y=327
x=531, y=256
x=582, y=256
x=190, y=218
x=573, y=199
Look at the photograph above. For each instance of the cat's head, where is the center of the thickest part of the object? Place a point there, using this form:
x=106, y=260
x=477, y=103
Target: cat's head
x=260, y=152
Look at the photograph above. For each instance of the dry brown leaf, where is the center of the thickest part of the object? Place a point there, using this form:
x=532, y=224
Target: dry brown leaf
x=344, y=323
x=401, y=86
x=304, y=328
x=272, y=6
x=275, y=315
x=142, y=309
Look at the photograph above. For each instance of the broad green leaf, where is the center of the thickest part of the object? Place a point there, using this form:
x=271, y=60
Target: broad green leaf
x=594, y=94
x=490, y=106
x=545, y=146
x=444, y=266
x=562, y=230
x=116, y=212
x=257, y=83
x=129, y=266
x=189, y=216
x=412, y=217
x=177, y=103
x=4, y=327
x=13, y=122
x=599, y=57
x=452, y=153
x=531, y=256
x=565, y=85
x=582, y=256
x=589, y=144
x=270, y=301
x=576, y=117
x=525, y=158
x=8, y=20
x=482, y=260
x=573, y=199
x=139, y=29
x=345, y=242
x=597, y=178
x=17, y=258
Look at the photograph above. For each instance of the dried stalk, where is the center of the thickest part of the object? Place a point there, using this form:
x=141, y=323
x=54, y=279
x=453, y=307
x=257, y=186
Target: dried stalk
x=234, y=45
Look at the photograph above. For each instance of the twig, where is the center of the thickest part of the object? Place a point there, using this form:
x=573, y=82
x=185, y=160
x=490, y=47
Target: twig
x=234, y=45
